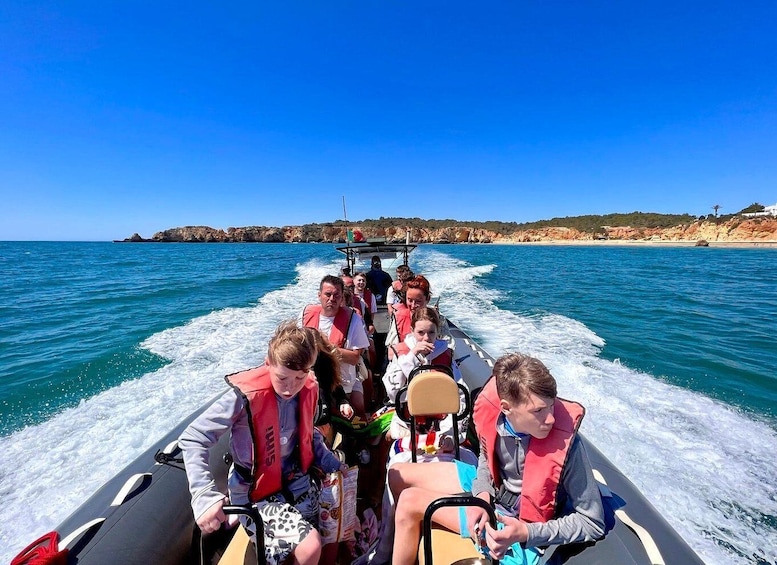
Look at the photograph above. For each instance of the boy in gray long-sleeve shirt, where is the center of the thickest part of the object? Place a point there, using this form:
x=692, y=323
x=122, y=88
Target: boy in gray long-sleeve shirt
x=529, y=454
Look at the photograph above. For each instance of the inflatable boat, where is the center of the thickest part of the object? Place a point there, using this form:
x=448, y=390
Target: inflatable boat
x=142, y=516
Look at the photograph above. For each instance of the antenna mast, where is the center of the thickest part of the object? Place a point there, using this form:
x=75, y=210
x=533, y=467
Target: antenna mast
x=350, y=260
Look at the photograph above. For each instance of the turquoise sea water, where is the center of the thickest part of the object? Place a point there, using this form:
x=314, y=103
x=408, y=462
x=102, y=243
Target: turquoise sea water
x=103, y=347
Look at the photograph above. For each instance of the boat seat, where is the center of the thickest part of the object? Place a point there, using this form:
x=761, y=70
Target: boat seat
x=448, y=547
x=240, y=550
x=439, y=545
x=432, y=392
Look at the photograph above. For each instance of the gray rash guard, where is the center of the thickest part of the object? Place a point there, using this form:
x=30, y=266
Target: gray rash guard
x=229, y=414
x=583, y=518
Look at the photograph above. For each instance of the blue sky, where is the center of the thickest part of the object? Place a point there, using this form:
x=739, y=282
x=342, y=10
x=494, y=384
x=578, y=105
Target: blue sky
x=120, y=117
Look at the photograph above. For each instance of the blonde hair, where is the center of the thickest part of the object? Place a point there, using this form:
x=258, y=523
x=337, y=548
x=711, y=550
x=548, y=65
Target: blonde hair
x=292, y=346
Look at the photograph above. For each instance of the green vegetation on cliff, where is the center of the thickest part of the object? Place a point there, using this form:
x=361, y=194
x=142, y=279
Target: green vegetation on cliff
x=589, y=224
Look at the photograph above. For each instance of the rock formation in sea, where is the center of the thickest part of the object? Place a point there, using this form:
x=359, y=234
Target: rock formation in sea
x=736, y=229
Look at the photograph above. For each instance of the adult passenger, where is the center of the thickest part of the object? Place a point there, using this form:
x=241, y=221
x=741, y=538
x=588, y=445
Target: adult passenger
x=394, y=294
x=378, y=280
x=361, y=290
x=357, y=301
x=345, y=330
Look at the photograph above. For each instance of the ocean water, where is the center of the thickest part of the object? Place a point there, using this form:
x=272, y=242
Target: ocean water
x=104, y=347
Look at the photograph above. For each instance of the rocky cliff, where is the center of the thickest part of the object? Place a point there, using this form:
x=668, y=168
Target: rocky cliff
x=733, y=230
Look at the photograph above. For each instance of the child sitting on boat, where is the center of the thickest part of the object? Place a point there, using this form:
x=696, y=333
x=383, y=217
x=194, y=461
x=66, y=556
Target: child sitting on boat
x=434, y=436
x=331, y=396
x=278, y=400
x=532, y=468
x=422, y=346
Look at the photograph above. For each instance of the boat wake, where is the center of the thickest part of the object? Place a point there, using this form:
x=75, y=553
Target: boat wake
x=50, y=469
x=707, y=467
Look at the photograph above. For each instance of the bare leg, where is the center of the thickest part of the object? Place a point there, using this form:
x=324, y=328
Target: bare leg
x=438, y=477
x=308, y=552
x=415, y=486
x=411, y=506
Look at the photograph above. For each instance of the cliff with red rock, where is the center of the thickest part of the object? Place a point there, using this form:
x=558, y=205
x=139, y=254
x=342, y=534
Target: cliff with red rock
x=737, y=229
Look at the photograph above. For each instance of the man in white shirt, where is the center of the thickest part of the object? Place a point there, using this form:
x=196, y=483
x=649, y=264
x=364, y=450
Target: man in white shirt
x=345, y=330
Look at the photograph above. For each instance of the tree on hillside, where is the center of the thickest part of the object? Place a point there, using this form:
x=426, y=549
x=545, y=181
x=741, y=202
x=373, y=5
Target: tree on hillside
x=754, y=207
x=716, y=207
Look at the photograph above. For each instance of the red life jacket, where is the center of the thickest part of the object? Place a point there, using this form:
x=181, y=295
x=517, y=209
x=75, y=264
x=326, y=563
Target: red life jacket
x=402, y=318
x=444, y=358
x=259, y=398
x=545, y=458
x=368, y=298
x=340, y=326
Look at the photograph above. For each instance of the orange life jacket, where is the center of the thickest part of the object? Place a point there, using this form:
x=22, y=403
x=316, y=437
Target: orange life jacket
x=259, y=398
x=545, y=458
x=340, y=326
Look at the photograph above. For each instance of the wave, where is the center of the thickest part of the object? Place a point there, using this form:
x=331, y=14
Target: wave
x=706, y=466
x=104, y=433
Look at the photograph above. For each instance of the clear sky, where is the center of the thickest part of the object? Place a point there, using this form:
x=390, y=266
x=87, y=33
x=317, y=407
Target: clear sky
x=120, y=117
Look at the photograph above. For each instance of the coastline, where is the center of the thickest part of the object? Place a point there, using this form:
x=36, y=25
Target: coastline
x=733, y=232
x=768, y=244
x=642, y=243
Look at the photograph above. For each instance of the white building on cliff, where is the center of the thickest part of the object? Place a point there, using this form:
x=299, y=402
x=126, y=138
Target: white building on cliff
x=770, y=211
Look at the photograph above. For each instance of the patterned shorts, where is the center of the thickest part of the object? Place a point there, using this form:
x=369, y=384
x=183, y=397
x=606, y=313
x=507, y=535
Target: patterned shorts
x=285, y=526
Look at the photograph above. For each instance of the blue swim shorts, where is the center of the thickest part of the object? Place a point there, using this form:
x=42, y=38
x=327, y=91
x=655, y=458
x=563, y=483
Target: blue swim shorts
x=516, y=555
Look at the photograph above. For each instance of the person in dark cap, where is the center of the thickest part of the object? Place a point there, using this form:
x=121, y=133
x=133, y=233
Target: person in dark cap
x=378, y=280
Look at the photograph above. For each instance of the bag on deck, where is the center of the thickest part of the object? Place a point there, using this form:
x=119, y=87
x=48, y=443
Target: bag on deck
x=337, y=517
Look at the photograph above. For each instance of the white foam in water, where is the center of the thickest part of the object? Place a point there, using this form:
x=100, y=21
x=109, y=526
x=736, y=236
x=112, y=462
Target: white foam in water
x=48, y=470
x=706, y=467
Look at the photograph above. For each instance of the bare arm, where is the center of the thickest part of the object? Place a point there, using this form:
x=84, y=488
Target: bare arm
x=350, y=356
